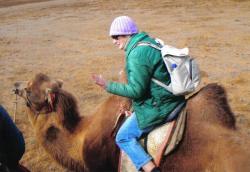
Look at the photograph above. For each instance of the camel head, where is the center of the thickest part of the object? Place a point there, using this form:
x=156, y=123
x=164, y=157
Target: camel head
x=39, y=93
x=44, y=95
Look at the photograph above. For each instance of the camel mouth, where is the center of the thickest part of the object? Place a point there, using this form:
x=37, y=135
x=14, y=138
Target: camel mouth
x=19, y=86
x=20, y=89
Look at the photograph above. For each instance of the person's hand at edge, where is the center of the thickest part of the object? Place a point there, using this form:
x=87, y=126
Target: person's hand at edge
x=99, y=80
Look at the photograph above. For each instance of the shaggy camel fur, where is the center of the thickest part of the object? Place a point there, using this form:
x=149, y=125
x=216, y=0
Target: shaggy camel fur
x=84, y=143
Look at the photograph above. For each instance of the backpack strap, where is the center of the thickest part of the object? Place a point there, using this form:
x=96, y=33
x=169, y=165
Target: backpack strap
x=148, y=44
x=167, y=87
x=144, y=43
x=154, y=79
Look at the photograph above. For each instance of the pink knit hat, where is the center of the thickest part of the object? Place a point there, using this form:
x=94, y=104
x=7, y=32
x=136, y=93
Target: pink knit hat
x=123, y=25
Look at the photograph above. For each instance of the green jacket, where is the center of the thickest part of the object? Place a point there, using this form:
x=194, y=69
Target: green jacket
x=151, y=103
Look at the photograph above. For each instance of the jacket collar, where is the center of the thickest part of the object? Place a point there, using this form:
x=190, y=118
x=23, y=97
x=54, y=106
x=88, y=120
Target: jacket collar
x=133, y=41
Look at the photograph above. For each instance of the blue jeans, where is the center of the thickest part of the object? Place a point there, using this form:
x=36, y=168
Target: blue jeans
x=127, y=139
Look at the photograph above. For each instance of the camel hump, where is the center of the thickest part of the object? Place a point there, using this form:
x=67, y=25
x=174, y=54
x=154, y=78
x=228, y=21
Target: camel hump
x=212, y=99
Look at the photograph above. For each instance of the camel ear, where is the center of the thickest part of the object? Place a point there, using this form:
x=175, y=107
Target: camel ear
x=59, y=83
x=55, y=84
x=29, y=83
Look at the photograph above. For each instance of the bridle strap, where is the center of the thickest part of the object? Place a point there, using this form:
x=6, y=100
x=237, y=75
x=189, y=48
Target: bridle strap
x=51, y=100
x=45, y=104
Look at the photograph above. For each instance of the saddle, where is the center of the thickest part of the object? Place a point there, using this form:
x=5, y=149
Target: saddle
x=161, y=141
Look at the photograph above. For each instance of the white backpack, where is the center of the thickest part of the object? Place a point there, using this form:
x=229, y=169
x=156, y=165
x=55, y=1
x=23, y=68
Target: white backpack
x=184, y=71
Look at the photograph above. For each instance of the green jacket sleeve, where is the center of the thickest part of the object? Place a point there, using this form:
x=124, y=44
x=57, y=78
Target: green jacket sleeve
x=139, y=76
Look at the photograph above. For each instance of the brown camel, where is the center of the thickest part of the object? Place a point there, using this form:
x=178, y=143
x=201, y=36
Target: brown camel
x=84, y=143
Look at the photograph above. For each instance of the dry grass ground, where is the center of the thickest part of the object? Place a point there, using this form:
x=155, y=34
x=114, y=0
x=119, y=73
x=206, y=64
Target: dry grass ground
x=68, y=39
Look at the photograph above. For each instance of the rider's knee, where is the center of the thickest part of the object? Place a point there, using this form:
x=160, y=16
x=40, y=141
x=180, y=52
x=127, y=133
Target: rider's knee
x=121, y=137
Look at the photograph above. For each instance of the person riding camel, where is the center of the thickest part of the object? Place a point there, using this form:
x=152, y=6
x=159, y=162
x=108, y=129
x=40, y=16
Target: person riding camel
x=151, y=103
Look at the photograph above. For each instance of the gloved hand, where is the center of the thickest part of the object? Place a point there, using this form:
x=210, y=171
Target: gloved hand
x=99, y=80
